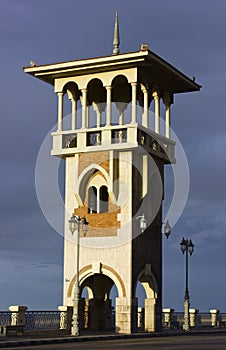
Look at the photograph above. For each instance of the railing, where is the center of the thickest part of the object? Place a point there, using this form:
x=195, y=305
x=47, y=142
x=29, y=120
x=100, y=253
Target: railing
x=55, y=320
x=204, y=319
x=119, y=136
x=69, y=141
x=42, y=320
x=5, y=318
x=93, y=138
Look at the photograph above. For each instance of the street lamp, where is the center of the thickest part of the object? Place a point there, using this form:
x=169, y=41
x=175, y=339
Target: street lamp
x=76, y=222
x=186, y=247
x=143, y=225
x=167, y=229
x=143, y=222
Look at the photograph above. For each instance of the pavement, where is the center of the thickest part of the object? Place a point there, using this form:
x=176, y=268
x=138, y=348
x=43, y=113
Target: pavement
x=57, y=337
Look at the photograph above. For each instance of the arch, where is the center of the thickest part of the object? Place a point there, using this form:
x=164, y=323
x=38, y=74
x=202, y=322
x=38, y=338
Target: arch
x=84, y=177
x=88, y=271
x=120, y=79
x=96, y=91
x=71, y=88
x=121, y=96
x=148, y=280
x=121, y=90
x=96, y=97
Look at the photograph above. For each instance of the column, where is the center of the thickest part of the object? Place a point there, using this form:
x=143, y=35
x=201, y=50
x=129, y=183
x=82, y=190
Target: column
x=150, y=315
x=145, y=114
x=157, y=112
x=121, y=118
x=98, y=118
x=186, y=324
x=167, y=131
x=126, y=315
x=214, y=317
x=84, y=107
x=134, y=103
x=108, y=119
x=65, y=316
x=168, y=317
x=73, y=113
x=60, y=110
x=193, y=317
x=18, y=315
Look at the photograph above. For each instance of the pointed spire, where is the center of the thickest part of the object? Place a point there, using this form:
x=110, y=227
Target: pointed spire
x=116, y=40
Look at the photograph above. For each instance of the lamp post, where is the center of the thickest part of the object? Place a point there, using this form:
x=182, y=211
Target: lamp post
x=186, y=247
x=76, y=222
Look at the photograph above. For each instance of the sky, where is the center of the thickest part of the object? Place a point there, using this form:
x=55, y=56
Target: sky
x=188, y=34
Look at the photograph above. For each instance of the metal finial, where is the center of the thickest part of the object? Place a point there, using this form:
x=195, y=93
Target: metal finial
x=116, y=40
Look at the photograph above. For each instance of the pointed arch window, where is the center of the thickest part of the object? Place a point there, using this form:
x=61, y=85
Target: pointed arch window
x=92, y=200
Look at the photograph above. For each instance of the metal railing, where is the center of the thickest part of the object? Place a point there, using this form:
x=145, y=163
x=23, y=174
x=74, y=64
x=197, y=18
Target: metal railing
x=42, y=320
x=5, y=318
x=51, y=320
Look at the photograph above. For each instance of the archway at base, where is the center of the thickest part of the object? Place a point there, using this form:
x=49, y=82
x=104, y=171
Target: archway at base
x=148, y=314
x=96, y=308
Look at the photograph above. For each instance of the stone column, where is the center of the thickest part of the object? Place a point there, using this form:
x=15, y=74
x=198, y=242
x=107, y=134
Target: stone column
x=65, y=316
x=140, y=318
x=84, y=107
x=108, y=117
x=134, y=103
x=73, y=113
x=167, y=132
x=157, y=111
x=150, y=315
x=168, y=317
x=193, y=317
x=60, y=110
x=126, y=315
x=98, y=113
x=18, y=315
x=167, y=100
x=145, y=114
x=214, y=317
x=186, y=324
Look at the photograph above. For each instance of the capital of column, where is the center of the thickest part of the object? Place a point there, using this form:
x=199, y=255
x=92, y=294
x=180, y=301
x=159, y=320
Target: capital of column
x=144, y=89
x=155, y=95
x=84, y=90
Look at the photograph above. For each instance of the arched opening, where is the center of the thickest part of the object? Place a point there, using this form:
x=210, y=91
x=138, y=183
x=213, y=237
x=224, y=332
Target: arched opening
x=121, y=95
x=147, y=291
x=103, y=199
x=98, y=293
x=92, y=200
x=96, y=96
x=70, y=106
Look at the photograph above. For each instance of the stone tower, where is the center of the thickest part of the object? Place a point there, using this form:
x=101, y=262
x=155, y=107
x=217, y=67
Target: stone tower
x=115, y=150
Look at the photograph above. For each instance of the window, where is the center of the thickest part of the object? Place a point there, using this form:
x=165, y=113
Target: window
x=97, y=200
x=103, y=199
x=92, y=200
